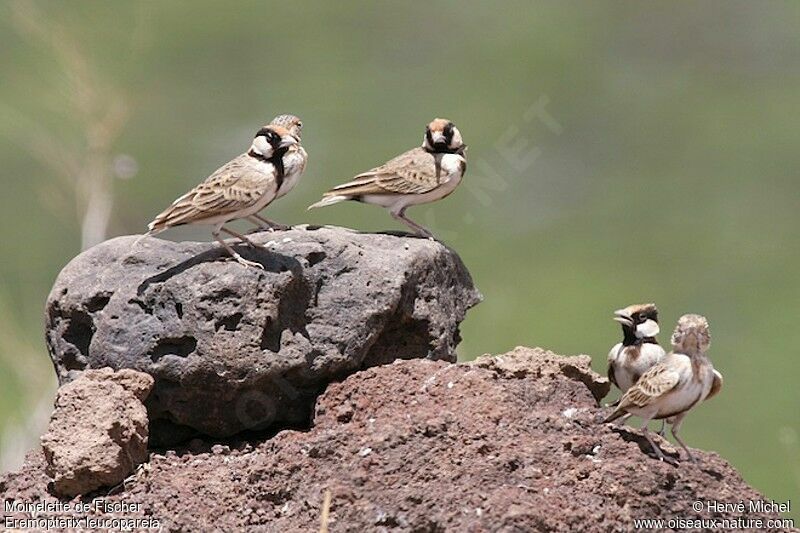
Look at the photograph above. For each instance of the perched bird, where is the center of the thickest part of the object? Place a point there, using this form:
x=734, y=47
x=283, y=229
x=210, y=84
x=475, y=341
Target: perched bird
x=238, y=189
x=639, y=349
x=683, y=379
x=294, y=164
x=419, y=176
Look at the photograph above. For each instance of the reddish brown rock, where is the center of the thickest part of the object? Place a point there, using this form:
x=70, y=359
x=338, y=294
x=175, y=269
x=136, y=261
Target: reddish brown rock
x=507, y=444
x=98, y=430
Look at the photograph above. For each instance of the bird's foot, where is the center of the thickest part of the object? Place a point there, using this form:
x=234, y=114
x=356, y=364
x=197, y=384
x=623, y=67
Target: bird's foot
x=244, y=262
x=669, y=460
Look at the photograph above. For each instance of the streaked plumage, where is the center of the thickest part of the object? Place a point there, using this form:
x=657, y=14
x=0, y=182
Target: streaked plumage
x=419, y=176
x=238, y=189
x=682, y=380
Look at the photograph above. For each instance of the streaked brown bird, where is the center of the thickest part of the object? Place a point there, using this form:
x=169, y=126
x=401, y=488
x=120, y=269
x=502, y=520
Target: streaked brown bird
x=419, y=176
x=239, y=189
x=671, y=388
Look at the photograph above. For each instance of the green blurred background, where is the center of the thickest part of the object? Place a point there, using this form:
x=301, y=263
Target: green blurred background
x=620, y=152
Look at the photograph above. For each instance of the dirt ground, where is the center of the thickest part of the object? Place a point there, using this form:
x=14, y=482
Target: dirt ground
x=508, y=444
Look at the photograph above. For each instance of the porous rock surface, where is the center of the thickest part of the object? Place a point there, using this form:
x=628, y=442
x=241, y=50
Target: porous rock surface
x=505, y=444
x=237, y=348
x=98, y=430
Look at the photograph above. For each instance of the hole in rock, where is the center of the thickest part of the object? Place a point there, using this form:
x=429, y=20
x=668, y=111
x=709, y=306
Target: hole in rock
x=271, y=337
x=230, y=323
x=79, y=332
x=98, y=302
x=178, y=346
x=315, y=257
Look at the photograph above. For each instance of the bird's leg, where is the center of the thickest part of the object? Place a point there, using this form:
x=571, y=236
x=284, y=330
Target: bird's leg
x=419, y=230
x=663, y=430
x=265, y=223
x=624, y=419
x=675, y=427
x=656, y=449
x=242, y=238
x=239, y=259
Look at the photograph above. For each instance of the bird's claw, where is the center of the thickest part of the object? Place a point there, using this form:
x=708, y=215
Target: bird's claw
x=244, y=262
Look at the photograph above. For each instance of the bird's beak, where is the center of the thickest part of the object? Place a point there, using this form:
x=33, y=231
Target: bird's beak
x=286, y=142
x=621, y=316
x=438, y=138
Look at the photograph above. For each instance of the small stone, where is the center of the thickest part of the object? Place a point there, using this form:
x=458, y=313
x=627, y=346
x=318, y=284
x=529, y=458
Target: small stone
x=363, y=452
x=98, y=432
x=219, y=449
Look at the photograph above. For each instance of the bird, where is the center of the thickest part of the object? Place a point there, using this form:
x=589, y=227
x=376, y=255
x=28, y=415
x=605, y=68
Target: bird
x=639, y=349
x=418, y=176
x=238, y=189
x=681, y=381
x=294, y=164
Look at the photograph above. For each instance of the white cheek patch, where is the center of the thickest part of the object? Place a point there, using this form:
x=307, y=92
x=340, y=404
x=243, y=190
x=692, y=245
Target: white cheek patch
x=457, y=141
x=262, y=147
x=648, y=328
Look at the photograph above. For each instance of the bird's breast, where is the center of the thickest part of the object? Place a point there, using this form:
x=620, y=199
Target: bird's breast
x=294, y=164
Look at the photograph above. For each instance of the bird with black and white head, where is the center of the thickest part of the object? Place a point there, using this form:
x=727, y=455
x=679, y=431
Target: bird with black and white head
x=419, y=176
x=680, y=382
x=239, y=189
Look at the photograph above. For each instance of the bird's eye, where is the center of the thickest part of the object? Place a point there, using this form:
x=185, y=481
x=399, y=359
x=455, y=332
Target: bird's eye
x=299, y=124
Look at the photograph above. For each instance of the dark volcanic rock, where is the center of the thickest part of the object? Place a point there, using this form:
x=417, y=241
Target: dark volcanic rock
x=234, y=347
x=98, y=431
x=509, y=445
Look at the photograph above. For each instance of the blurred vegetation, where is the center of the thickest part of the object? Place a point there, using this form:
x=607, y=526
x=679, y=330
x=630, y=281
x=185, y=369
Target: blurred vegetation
x=619, y=152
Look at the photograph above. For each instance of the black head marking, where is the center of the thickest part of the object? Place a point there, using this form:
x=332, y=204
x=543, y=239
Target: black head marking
x=272, y=138
x=429, y=136
x=448, y=133
x=646, y=314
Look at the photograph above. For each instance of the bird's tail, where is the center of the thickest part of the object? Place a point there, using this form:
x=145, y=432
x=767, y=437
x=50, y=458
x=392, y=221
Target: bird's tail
x=618, y=413
x=152, y=231
x=329, y=200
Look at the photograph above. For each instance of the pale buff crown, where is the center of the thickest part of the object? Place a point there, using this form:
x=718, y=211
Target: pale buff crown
x=290, y=122
x=691, y=335
x=442, y=135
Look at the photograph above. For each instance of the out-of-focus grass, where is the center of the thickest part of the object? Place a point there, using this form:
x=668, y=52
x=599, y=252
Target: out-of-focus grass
x=665, y=169
x=26, y=387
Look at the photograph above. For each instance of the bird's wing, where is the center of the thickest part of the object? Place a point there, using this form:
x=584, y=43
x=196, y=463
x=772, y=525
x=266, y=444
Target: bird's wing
x=235, y=186
x=653, y=384
x=716, y=386
x=414, y=172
